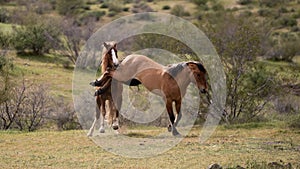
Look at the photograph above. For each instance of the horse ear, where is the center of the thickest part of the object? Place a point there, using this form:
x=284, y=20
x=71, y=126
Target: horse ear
x=106, y=45
x=115, y=46
x=190, y=64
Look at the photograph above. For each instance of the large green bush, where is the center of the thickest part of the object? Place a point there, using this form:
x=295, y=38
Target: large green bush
x=249, y=86
x=37, y=38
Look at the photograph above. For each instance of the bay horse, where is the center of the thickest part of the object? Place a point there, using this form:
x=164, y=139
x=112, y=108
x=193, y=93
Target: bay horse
x=169, y=82
x=106, y=99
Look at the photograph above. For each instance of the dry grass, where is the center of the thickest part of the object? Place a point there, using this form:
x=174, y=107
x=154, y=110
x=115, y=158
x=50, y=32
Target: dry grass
x=228, y=147
x=46, y=70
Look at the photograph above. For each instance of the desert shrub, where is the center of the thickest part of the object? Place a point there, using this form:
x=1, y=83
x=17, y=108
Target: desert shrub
x=288, y=21
x=264, y=12
x=282, y=10
x=249, y=85
x=244, y=2
x=218, y=7
x=111, y=13
x=4, y=15
x=270, y=3
x=104, y=5
x=86, y=7
x=200, y=2
x=288, y=104
x=178, y=10
x=166, y=7
x=6, y=68
x=91, y=16
x=246, y=13
x=285, y=48
x=295, y=29
x=140, y=6
x=26, y=107
x=5, y=40
x=63, y=115
x=37, y=38
x=40, y=7
x=126, y=9
x=295, y=122
x=67, y=7
x=115, y=6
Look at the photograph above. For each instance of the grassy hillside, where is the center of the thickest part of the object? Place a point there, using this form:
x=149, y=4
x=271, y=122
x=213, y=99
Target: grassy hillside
x=250, y=145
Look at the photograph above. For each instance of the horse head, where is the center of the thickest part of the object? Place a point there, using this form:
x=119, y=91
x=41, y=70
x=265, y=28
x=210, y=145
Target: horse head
x=198, y=76
x=110, y=54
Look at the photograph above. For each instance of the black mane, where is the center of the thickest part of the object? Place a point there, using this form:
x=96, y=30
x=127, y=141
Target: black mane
x=174, y=69
x=200, y=67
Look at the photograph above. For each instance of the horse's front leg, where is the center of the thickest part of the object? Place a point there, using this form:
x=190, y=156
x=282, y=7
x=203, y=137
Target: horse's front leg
x=171, y=126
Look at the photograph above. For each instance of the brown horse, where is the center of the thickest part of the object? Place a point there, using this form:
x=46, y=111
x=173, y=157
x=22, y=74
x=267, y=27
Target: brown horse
x=109, y=60
x=168, y=82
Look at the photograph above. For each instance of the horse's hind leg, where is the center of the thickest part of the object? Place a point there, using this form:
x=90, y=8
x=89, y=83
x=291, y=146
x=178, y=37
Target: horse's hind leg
x=97, y=115
x=103, y=112
x=171, y=127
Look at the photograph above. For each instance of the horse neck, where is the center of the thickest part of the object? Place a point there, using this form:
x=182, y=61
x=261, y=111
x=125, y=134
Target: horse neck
x=106, y=62
x=183, y=80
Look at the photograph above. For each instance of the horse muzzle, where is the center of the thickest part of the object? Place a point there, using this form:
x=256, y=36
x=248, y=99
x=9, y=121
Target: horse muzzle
x=203, y=91
x=93, y=83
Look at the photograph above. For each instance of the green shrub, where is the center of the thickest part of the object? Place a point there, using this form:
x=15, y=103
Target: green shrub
x=126, y=9
x=295, y=28
x=111, y=13
x=244, y=2
x=37, y=38
x=178, y=10
x=288, y=21
x=270, y=3
x=200, y=2
x=295, y=122
x=95, y=15
x=4, y=15
x=104, y=5
x=218, y=7
x=265, y=12
x=282, y=10
x=166, y=7
x=5, y=40
x=115, y=6
x=67, y=7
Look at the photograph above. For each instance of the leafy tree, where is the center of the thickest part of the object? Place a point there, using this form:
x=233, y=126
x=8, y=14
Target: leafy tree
x=249, y=86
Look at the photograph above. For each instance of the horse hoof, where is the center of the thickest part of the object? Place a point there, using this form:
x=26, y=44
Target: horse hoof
x=102, y=131
x=169, y=128
x=92, y=84
x=115, y=127
x=175, y=132
x=89, y=135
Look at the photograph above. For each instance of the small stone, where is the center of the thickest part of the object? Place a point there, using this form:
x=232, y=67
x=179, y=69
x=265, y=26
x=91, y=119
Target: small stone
x=215, y=166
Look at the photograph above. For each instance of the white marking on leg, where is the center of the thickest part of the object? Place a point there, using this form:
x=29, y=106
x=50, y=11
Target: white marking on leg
x=114, y=57
x=90, y=133
x=102, y=129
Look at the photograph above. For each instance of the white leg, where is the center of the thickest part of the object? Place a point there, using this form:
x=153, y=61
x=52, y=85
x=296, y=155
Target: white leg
x=90, y=133
x=115, y=124
x=101, y=129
